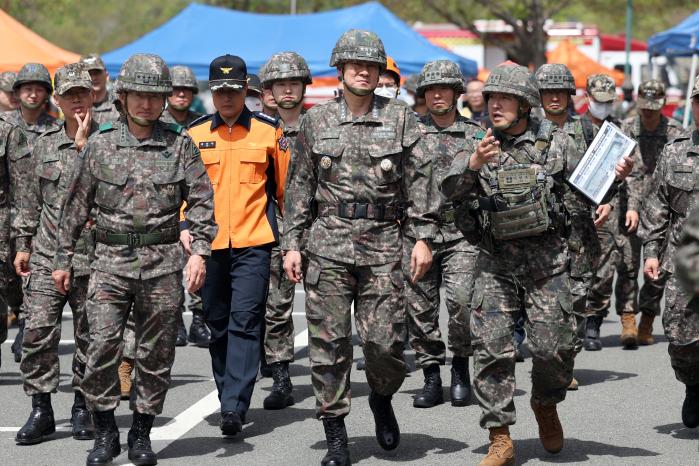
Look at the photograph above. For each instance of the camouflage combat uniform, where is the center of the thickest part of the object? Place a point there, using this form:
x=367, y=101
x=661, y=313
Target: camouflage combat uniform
x=138, y=188
x=32, y=130
x=672, y=196
x=360, y=171
x=167, y=117
x=53, y=161
x=518, y=273
x=453, y=260
x=104, y=111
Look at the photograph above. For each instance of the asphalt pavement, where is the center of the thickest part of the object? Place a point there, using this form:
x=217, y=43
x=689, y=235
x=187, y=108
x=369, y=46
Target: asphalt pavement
x=626, y=412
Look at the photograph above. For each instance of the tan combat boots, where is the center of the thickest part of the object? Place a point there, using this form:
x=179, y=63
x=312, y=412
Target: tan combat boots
x=629, y=332
x=550, y=429
x=645, y=330
x=125, y=370
x=501, y=451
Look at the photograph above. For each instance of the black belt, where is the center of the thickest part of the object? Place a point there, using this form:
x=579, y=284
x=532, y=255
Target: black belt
x=133, y=239
x=354, y=210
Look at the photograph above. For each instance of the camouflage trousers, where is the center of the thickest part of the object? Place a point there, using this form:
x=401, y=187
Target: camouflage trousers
x=279, y=324
x=579, y=289
x=681, y=324
x=43, y=308
x=11, y=295
x=453, y=266
x=498, y=301
x=651, y=294
x=154, y=304
x=623, y=256
x=379, y=312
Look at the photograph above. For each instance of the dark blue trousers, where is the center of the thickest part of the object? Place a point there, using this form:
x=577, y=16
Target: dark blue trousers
x=234, y=296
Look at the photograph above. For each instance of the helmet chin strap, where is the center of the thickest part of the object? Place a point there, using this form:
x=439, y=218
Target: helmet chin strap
x=140, y=121
x=357, y=91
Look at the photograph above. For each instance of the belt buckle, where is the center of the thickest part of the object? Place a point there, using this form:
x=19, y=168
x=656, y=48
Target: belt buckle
x=361, y=210
x=133, y=239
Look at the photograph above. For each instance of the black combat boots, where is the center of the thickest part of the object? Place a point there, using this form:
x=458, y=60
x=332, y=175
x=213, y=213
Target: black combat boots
x=592, y=341
x=280, y=397
x=181, y=333
x=81, y=420
x=107, y=445
x=138, y=439
x=460, y=382
x=336, y=437
x=387, y=430
x=40, y=423
x=690, y=407
x=198, y=332
x=431, y=395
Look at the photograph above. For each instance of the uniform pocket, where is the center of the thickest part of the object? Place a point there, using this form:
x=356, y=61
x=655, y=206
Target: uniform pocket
x=50, y=172
x=386, y=164
x=110, y=186
x=328, y=152
x=212, y=162
x=253, y=164
x=681, y=181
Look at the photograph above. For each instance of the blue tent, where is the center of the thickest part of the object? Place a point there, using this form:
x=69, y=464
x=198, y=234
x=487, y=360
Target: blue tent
x=682, y=39
x=199, y=33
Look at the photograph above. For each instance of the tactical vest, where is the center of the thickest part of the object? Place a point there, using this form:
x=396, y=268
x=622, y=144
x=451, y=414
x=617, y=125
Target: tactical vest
x=523, y=203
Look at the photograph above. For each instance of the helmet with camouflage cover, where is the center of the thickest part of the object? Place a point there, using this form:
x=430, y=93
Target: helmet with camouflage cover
x=410, y=83
x=283, y=66
x=7, y=80
x=144, y=72
x=440, y=72
x=183, y=76
x=514, y=80
x=93, y=61
x=71, y=76
x=33, y=73
x=695, y=91
x=651, y=95
x=601, y=87
x=555, y=76
x=359, y=45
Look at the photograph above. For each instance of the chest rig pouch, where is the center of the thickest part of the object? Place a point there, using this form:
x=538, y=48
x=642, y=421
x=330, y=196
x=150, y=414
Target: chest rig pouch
x=520, y=202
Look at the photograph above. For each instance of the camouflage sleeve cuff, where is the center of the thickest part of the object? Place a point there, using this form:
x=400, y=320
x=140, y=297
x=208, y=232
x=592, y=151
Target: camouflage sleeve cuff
x=290, y=243
x=651, y=250
x=634, y=204
x=23, y=244
x=424, y=231
x=61, y=262
x=201, y=247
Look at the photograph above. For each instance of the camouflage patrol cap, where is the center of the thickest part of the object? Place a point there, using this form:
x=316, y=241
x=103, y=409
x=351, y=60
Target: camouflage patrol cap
x=555, y=76
x=514, y=80
x=601, y=87
x=33, y=73
x=144, y=72
x=285, y=65
x=92, y=61
x=440, y=72
x=7, y=80
x=183, y=76
x=695, y=91
x=651, y=95
x=70, y=76
x=359, y=45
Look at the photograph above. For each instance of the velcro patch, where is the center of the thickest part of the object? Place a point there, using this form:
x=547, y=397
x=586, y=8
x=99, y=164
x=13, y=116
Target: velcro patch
x=283, y=143
x=207, y=145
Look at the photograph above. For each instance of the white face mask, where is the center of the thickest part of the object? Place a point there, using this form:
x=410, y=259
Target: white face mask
x=254, y=104
x=600, y=110
x=389, y=92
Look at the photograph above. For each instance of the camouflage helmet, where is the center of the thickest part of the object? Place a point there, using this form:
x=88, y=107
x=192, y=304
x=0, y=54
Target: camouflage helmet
x=144, y=72
x=555, y=76
x=285, y=65
x=33, y=73
x=93, y=61
x=440, y=72
x=651, y=95
x=695, y=91
x=359, y=45
x=410, y=83
x=7, y=80
x=71, y=76
x=601, y=87
x=183, y=76
x=514, y=80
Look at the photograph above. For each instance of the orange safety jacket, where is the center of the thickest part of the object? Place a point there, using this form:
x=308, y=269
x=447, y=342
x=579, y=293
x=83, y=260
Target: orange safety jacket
x=247, y=165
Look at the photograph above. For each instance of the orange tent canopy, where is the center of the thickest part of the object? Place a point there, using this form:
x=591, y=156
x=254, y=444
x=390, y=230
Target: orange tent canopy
x=580, y=64
x=21, y=45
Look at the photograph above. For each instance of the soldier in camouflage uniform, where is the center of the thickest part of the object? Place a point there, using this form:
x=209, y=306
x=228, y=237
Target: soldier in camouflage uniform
x=8, y=100
x=46, y=179
x=651, y=130
x=503, y=177
x=14, y=152
x=137, y=172
x=443, y=132
x=356, y=167
x=32, y=87
x=286, y=76
x=104, y=109
x=673, y=194
x=616, y=235
x=556, y=86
